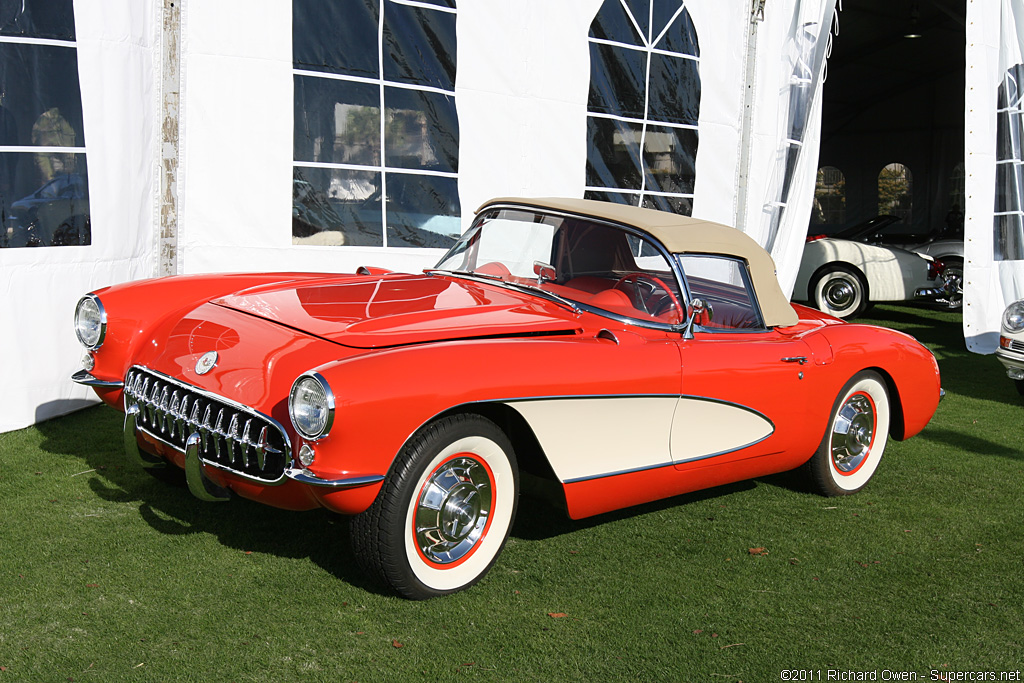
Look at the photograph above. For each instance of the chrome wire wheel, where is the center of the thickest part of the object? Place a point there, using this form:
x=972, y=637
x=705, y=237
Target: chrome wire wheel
x=454, y=510
x=853, y=432
x=855, y=438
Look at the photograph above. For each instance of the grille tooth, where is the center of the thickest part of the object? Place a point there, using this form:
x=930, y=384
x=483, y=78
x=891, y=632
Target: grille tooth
x=173, y=412
x=232, y=437
x=232, y=441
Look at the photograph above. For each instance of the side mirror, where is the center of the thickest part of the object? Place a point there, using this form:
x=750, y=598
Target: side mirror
x=544, y=271
x=697, y=309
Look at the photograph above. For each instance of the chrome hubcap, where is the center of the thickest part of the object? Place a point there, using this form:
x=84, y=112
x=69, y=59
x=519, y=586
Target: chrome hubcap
x=853, y=432
x=453, y=510
x=840, y=294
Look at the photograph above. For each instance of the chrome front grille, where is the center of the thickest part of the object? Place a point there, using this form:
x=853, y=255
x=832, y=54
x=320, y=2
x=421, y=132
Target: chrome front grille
x=232, y=437
x=1017, y=346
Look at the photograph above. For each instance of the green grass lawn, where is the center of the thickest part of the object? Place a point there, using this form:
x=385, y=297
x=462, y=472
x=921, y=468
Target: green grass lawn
x=109, y=575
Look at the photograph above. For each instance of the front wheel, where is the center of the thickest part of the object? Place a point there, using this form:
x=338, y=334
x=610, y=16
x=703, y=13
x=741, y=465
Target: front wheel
x=444, y=512
x=954, y=276
x=855, y=438
x=840, y=292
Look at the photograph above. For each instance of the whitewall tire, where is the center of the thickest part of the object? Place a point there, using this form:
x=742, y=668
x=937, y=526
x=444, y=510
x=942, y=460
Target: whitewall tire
x=855, y=437
x=840, y=292
x=445, y=510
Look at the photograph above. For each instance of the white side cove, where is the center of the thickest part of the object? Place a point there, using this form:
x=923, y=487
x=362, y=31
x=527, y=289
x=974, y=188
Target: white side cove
x=588, y=438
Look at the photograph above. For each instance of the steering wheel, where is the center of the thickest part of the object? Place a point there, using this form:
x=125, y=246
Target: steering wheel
x=649, y=301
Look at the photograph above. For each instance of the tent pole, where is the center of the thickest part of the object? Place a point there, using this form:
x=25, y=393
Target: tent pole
x=170, y=89
x=747, y=126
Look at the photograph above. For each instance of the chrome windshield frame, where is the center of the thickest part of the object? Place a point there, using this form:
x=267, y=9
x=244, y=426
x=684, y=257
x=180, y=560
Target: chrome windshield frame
x=669, y=257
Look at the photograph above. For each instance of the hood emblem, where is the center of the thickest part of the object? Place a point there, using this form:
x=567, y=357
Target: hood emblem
x=206, y=362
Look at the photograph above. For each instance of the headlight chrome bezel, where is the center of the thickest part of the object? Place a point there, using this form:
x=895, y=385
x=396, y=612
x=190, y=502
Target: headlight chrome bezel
x=93, y=341
x=1013, y=317
x=301, y=389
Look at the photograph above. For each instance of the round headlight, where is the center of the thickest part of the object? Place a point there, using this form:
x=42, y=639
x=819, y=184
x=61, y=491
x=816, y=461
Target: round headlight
x=1013, y=317
x=311, y=406
x=90, y=321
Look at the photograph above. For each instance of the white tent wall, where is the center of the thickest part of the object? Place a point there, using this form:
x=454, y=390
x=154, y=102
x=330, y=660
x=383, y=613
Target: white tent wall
x=116, y=43
x=521, y=93
x=995, y=44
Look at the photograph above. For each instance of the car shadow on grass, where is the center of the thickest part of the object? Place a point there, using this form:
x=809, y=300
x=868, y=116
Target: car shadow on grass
x=94, y=436
x=542, y=513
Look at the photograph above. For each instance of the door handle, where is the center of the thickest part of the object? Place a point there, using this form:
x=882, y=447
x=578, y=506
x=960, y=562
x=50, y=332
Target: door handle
x=802, y=360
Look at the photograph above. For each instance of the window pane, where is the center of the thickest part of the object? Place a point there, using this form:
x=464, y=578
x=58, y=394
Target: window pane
x=41, y=102
x=423, y=211
x=617, y=77
x=613, y=197
x=45, y=200
x=54, y=19
x=680, y=205
x=725, y=289
x=422, y=130
x=674, y=90
x=829, y=197
x=895, y=191
x=1009, y=186
x=419, y=46
x=682, y=37
x=669, y=158
x=337, y=121
x=612, y=23
x=613, y=154
x=338, y=36
x=336, y=207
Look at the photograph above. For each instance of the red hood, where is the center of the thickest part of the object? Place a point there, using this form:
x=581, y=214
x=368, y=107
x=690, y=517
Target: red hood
x=393, y=310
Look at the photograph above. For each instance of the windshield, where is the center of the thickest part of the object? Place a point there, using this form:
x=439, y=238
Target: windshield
x=601, y=267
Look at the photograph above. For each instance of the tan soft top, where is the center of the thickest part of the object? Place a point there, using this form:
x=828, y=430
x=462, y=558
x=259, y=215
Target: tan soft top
x=683, y=235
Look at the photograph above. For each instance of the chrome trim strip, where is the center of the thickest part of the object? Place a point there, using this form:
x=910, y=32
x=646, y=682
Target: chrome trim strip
x=304, y=476
x=592, y=477
x=198, y=483
x=84, y=377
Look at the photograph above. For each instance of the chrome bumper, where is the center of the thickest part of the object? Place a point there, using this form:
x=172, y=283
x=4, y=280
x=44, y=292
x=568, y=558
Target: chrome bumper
x=159, y=406
x=83, y=377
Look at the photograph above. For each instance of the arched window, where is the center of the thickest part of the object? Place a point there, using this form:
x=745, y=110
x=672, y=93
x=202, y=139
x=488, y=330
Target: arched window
x=1008, y=240
x=643, y=105
x=895, y=192
x=376, y=129
x=44, y=182
x=829, y=197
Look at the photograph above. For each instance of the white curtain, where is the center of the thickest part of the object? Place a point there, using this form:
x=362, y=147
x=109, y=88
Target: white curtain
x=994, y=262
x=116, y=51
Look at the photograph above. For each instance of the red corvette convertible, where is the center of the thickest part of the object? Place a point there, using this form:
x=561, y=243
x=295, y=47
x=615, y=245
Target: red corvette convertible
x=625, y=354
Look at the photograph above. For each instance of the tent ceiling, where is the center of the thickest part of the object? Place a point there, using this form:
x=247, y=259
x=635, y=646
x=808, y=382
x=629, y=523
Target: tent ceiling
x=873, y=60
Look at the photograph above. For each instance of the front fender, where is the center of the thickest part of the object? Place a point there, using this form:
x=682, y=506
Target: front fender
x=383, y=398
x=142, y=312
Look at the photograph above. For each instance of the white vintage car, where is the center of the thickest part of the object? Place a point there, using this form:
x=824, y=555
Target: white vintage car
x=1011, y=343
x=841, y=276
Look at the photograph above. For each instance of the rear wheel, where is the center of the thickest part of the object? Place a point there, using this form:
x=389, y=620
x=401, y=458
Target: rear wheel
x=855, y=438
x=444, y=512
x=839, y=291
